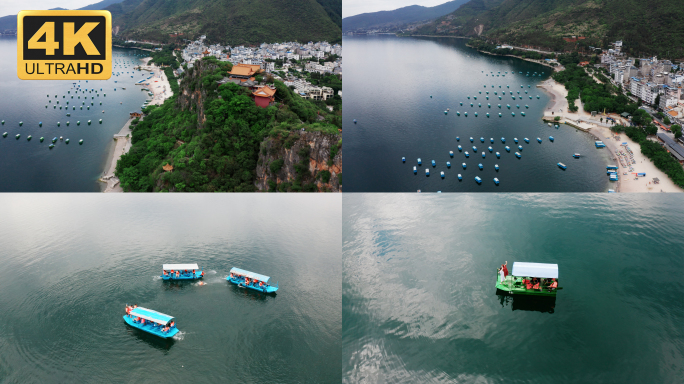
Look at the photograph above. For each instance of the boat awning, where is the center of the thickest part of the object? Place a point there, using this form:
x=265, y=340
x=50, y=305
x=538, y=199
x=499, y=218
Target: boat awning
x=180, y=267
x=546, y=271
x=251, y=275
x=151, y=315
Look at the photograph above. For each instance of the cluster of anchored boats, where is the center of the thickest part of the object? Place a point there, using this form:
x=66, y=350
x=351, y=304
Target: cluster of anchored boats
x=163, y=325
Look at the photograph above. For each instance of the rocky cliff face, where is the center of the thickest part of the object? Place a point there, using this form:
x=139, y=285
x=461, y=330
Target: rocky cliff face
x=300, y=160
x=192, y=94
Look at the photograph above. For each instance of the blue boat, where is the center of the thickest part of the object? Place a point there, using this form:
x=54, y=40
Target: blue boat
x=460, y=177
x=599, y=144
x=442, y=174
x=551, y=139
x=496, y=166
x=527, y=140
x=539, y=140
x=467, y=154
x=152, y=322
x=517, y=154
x=451, y=153
x=490, y=149
x=562, y=166
x=614, y=177
x=433, y=163
x=403, y=159
x=576, y=155
x=427, y=172
x=458, y=138
x=460, y=149
x=478, y=180
x=474, y=148
x=503, y=140
x=508, y=149
x=611, y=167
x=483, y=154
x=480, y=166
x=498, y=155
x=448, y=164
x=496, y=181
x=415, y=170
x=181, y=272
x=471, y=139
x=251, y=280
x=420, y=162
x=482, y=139
x=520, y=147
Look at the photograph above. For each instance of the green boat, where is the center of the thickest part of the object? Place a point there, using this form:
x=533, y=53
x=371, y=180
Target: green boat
x=534, y=279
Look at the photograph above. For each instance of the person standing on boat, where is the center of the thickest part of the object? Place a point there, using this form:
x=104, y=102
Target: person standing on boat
x=501, y=274
x=505, y=268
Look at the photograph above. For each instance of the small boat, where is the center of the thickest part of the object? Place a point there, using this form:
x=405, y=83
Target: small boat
x=498, y=155
x=403, y=159
x=464, y=165
x=535, y=279
x=515, y=140
x=576, y=155
x=460, y=149
x=433, y=163
x=551, y=139
x=41, y=139
x=448, y=164
x=152, y=322
x=503, y=140
x=518, y=155
x=480, y=166
x=599, y=144
x=181, y=272
x=613, y=177
x=66, y=141
x=471, y=139
x=460, y=177
x=17, y=136
x=520, y=147
x=61, y=138
x=496, y=167
x=458, y=138
x=415, y=170
x=508, y=149
x=562, y=166
x=420, y=162
x=80, y=142
x=482, y=139
x=483, y=154
x=252, y=280
x=496, y=181
x=474, y=148
x=427, y=172
x=527, y=140
x=54, y=139
x=611, y=167
x=539, y=140
x=467, y=154
x=478, y=180
x=442, y=174
x=451, y=153
x=51, y=146
x=490, y=149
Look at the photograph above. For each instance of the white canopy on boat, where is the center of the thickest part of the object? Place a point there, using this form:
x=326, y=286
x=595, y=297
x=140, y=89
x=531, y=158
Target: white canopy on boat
x=180, y=267
x=151, y=315
x=251, y=275
x=546, y=271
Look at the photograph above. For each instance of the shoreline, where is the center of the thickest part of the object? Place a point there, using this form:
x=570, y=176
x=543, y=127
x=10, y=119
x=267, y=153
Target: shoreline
x=583, y=121
x=161, y=89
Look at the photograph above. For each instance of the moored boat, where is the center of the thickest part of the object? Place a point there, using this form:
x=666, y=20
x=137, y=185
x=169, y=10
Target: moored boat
x=181, y=272
x=255, y=281
x=562, y=166
x=150, y=321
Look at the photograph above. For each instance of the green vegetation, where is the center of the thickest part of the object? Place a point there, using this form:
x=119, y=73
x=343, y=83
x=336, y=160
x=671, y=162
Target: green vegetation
x=677, y=130
x=165, y=57
x=221, y=153
x=488, y=47
x=173, y=80
x=231, y=22
x=656, y=152
x=640, y=24
x=595, y=96
x=276, y=165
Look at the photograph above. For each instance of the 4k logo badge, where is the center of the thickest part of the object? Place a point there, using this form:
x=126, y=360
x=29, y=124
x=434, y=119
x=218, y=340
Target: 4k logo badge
x=64, y=45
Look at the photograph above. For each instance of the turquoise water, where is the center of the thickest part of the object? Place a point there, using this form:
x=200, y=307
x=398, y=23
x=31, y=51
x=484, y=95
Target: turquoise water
x=397, y=88
x=419, y=303
x=71, y=262
x=29, y=166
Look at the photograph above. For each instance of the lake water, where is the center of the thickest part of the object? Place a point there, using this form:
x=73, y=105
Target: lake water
x=419, y=303
x=388, y=82
x=29, y=166
x=70, y=263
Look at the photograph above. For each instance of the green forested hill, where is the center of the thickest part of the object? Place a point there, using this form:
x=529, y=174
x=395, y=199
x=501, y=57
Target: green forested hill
x=398, y=17
x=645, y=26
x=229, y=21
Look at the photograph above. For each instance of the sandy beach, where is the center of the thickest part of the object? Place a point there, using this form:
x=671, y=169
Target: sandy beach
x=558, y=106
x=159, y=86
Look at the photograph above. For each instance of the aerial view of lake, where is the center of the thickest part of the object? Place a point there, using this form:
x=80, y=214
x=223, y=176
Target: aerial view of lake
x=397, y=90
x=71, y=263
x=420, y=304
x=31, y=166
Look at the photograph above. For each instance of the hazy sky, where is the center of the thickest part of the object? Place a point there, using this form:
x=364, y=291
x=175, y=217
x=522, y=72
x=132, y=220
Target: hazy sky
x=12, y=7
x=354, y=7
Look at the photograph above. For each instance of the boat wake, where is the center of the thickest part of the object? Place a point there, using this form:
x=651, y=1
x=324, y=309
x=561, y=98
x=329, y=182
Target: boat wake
x=155, y=278
x=179, y=336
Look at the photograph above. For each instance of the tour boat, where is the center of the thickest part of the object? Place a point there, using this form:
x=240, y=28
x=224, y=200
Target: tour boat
x=562, y=166
x=611, y=167
x=520, y=279
x=599, y=144
x=185, y=272
x=252, y=280
x=154, y=322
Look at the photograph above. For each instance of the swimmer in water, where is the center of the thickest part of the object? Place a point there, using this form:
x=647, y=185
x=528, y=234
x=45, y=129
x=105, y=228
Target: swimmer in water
x=202, y=283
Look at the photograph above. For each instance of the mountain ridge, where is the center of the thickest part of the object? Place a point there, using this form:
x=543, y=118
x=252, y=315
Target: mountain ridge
x=399, y=16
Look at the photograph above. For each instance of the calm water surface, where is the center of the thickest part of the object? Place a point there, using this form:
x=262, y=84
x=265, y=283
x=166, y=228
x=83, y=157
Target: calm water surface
x=70, y=264
x=29, y=166
x=388, y=83
x=420, y=305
